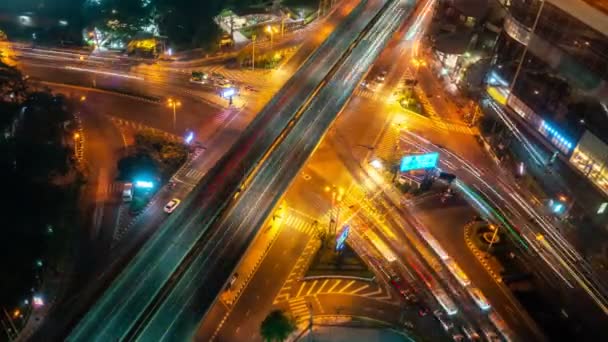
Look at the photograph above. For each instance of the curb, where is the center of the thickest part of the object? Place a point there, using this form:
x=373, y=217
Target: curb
x=480, y=255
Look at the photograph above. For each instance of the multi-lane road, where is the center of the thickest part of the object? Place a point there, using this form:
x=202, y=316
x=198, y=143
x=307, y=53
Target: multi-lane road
x=186, y=304
x=123, y=304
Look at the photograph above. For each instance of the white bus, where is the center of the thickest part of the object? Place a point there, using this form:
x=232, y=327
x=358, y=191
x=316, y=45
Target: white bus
x=462, y=278
x=445, y=301
x=434, y=245
x=380, y=246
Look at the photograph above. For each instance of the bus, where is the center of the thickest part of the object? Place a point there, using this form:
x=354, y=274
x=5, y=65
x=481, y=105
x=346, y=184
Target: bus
x=434, y=245
x=380, y=246
x=500, y=324
x=445, y=301
x=458, y=273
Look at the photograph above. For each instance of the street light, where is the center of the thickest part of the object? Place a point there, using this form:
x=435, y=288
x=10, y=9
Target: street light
x=171, y=103
x=269, y=30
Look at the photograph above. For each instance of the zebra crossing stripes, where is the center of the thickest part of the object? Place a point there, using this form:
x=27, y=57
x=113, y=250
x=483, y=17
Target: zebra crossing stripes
x=296, y=272
x=238, y=75
x=339, y=286
x=299, y=223
x=459, y=128
x=141, y=127
x=299, y=307
x=386, y=146
x=194, y=174
x=366, y=93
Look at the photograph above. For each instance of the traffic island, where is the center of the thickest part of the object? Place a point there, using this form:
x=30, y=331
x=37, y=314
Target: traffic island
x=475, y=234
x=326, y=263
x=409, y=101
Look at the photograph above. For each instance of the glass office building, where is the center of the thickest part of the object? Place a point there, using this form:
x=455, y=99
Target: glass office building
x=560, y=87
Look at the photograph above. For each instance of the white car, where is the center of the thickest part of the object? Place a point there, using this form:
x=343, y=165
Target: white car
x=171, y=205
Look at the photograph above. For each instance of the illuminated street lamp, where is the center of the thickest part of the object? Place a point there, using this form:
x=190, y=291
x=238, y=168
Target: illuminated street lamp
x=418, y=62
x=270, y=30
x=171, y=103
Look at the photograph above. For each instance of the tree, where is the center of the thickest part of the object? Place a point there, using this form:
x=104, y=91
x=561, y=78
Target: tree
x=276, y=326
x=13, y=87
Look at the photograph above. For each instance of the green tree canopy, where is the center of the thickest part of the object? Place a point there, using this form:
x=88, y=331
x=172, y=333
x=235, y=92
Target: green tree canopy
x=276, y=326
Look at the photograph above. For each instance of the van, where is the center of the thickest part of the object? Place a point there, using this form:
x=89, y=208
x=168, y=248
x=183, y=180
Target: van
x=127, y=192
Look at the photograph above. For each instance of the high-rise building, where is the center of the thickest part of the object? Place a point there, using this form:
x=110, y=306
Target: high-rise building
x=551, y=69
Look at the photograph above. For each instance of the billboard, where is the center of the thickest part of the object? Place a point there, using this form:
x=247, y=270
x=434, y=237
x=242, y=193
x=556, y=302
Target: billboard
x=342, y=237
x=419, y=161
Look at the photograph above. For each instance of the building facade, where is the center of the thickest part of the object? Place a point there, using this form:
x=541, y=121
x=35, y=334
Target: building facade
x=551, y=68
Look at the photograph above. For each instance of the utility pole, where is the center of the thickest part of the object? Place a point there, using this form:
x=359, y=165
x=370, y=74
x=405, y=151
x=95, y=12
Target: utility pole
x=310, y=337
x=523, y=55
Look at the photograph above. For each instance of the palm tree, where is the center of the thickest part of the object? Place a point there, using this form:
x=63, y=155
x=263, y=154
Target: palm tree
x=276, y=326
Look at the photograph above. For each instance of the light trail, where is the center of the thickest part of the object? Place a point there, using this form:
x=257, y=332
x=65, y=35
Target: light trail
x=108, y=73
x=415, y=28
x=536, y=156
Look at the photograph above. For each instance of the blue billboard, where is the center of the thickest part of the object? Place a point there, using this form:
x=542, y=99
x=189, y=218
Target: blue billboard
x=342, y=237
x=419, y=161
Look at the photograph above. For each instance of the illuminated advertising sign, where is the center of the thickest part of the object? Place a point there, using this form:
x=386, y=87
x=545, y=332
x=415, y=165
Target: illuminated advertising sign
x=144, y=184
x=342, y=237
x=419, y=161
x=228, y=92
x=189, y=137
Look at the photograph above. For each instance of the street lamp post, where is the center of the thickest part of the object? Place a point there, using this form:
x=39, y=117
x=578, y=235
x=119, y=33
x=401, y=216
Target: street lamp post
x=171, y=103
x=525, y=52
x=269, y=30
x=283, y=24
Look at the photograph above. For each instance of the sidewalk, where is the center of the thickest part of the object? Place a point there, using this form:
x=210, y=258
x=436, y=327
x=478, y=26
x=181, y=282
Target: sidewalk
x=338, y=328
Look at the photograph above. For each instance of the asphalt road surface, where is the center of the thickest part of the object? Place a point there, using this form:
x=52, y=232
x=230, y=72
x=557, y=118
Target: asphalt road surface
x=123, y=304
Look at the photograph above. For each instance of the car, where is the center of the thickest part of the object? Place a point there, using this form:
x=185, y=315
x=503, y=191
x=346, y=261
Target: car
x=491, y=336
x=171, y=205
x=470, y=333
x=458, y=337
x=422, y=310
x=479, y=298
x=232, y=280
x=445, y=324
x=381, y=76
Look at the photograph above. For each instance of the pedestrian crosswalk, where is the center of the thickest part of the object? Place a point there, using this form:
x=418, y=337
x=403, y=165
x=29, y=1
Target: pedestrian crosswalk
x=193, y=174
x=299, y=307
x=238, y=75
x=297, y=221
x=137, y=126
x=367, y=93
x=387, y=147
